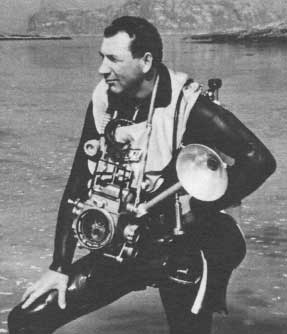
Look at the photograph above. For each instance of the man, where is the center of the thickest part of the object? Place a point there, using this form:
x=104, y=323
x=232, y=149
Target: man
x=139, y=90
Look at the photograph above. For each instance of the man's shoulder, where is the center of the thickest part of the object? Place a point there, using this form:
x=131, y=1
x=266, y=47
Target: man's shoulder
x=177, y=77
x=183, y=81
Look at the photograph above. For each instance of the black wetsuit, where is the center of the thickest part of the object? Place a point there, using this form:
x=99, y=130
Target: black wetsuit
x=96, y=281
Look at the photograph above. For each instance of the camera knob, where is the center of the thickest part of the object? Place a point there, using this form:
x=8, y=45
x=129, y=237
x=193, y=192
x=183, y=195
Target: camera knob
x=214, y=84
x=99, y=203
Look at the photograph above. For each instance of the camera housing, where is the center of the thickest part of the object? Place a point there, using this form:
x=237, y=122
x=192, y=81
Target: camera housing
x=96, y=219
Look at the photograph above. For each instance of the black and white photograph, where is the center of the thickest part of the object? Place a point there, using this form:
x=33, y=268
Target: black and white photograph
x=142, y=166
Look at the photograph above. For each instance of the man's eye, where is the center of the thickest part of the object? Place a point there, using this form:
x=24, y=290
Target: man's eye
x=112, y=58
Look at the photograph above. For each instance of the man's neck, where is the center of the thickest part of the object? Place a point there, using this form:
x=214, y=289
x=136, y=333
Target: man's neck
x=147, y=85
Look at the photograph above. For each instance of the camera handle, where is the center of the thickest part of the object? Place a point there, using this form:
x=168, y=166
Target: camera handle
x=127, y=250
x=214, y=85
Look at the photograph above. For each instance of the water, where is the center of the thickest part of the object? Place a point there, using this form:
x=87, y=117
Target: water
x=45, y=88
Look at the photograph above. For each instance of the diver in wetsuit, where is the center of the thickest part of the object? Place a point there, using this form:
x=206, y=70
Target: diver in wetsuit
x=132, y=67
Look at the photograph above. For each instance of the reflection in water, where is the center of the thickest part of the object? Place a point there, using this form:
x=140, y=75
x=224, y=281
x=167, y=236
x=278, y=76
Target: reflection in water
x=63, y=56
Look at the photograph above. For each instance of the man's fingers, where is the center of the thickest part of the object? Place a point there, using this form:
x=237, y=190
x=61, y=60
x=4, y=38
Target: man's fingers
x=33, y=296
x=28, y=291
x=62, y=297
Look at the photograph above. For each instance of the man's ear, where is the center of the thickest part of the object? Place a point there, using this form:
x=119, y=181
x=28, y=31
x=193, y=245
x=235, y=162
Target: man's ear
x=147, y=61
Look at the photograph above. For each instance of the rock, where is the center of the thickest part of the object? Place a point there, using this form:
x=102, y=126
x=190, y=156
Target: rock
x=172, y=16
x=269, y=33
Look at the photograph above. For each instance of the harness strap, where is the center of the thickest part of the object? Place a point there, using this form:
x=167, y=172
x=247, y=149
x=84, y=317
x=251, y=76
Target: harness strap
x=178, y=230
x=145, y=153
x=176, y=116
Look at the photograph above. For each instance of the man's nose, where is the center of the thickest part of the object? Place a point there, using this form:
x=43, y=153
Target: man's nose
x=104, y=68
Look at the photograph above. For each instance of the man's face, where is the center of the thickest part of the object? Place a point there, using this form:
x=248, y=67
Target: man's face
x=122, y=72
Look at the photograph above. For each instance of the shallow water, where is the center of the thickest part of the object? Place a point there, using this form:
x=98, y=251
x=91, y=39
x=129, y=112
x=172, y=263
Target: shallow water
x=45, y=88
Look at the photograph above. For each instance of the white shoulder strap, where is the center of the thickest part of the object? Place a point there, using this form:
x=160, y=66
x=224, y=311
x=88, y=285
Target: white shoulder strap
x=100, y=106
x=187, y=98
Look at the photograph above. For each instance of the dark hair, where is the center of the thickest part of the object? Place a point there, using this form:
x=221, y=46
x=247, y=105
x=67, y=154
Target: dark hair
x=145, y=36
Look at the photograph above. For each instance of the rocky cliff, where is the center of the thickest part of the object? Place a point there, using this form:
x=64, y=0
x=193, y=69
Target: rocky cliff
x=273, y=32
x=173, y=16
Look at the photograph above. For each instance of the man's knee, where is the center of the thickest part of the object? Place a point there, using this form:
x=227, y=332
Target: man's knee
x=31, y=320
x=233, y=240
x=223, y=242
x=17, y=321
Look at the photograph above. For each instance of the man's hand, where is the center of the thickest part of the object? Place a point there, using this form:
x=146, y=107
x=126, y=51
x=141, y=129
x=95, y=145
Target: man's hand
x=49, y=281
x=124, y=135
